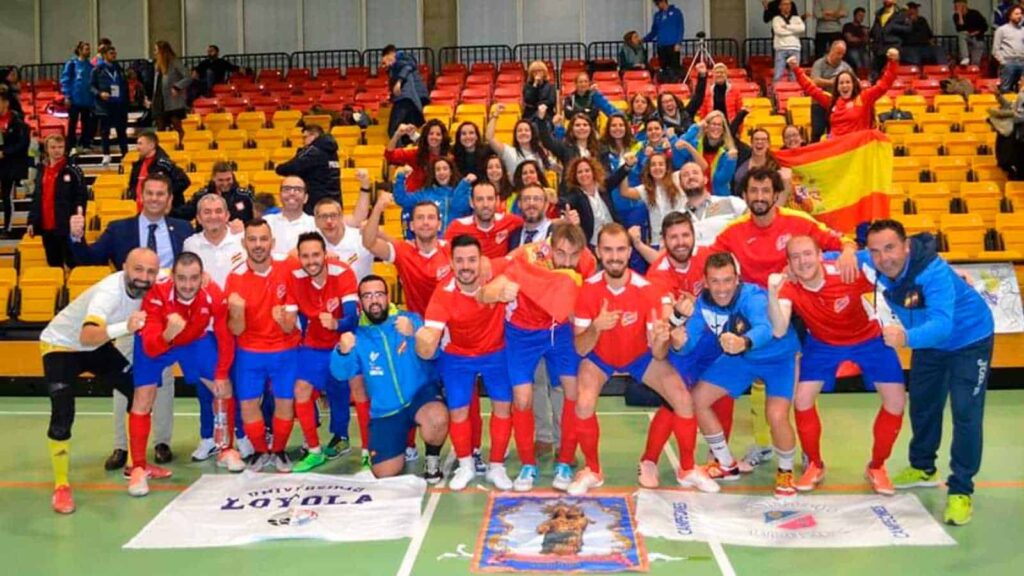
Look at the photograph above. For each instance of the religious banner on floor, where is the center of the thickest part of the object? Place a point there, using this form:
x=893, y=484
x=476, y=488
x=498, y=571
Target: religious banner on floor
x=847, y=521
x=552, y=532
x=223, y=510
x=996, y=282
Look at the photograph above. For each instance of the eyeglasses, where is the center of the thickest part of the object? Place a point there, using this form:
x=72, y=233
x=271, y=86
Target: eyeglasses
x=328, y=216
x=293, y=188
x=373, y=295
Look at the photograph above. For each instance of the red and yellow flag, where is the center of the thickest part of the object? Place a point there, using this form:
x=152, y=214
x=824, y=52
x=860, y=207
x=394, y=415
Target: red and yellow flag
x=843, y=180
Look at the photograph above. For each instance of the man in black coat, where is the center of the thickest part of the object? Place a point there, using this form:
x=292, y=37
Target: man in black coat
x=222, y=183
x=317, y=164
x=153, y=159
x=14, y=141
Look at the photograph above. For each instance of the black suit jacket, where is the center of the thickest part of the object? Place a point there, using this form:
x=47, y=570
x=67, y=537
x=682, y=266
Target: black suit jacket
x=120, y=238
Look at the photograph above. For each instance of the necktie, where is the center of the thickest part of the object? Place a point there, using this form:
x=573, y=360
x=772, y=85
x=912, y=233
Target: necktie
x=528, y=236
x=151, y=239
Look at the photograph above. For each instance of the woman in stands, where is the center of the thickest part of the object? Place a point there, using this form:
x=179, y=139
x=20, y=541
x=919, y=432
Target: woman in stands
x=525, y=143
x=722, y=96
x=589, y=194
x=659, y=192
x=14, y=141
x=616, y=144
x=538, y=90
x=170, y=84
x=579, y=140
x=60, y=193
x=494, y=172
x=443, y=187
x=638, y=112
x=759, y=155
x=678, y=149
x=581, y=100
x=717, y=152
x=469, y=151
x=787, y=28
x=433, y=143
x=851, y=108
x=676, y=118
x=793, y=137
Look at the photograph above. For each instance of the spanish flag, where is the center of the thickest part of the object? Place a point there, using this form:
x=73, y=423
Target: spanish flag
x=553, y=290
x=843, y=180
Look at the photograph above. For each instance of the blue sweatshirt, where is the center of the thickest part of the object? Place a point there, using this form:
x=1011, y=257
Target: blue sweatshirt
x=667, y=27
x=387, y=361
x=746, y=315
x=75, y=82
x=451, y=202
x=936, y=307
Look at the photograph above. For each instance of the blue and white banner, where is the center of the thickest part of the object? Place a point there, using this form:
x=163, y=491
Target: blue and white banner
x=849, y=521
x=222, y=510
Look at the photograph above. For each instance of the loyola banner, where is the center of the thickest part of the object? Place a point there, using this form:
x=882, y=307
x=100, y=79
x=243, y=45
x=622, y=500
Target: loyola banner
x=849, y=521
x=222, y=510
x=843, y=181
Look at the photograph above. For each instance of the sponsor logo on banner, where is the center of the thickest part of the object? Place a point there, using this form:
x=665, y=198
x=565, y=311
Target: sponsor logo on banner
x=789, y=519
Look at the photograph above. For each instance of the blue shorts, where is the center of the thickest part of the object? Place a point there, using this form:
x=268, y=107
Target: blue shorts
x=254, y=369
x=197, y=359
x=637, y=368
x=878, y=363
x=556, y=347
x=459, y=375
x=692, y=364
x=388, y=434
x=736, y=374
x=314, y=366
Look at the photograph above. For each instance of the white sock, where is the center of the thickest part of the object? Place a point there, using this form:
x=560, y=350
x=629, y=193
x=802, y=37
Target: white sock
x=467, y=461
x=720, y=448
x=785, y=458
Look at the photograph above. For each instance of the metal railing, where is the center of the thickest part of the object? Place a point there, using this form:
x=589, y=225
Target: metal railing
x=763, y=47
x=423, y=55
x=555, y=52
x=262, y=61
x=314, y=60
x=470, y=55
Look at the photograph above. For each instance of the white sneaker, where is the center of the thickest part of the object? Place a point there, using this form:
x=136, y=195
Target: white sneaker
x=524, y=482
x=647, y=474
x=282, y=463
x=138, y=485
x=563, y=477
x=497, y=475
x=463, y=475
x=411, y=454
x=757, y=455
x=231, y=460
x=206, y=448
x=699, y=479
x=244, y=447
x=965, y=61
x=584, y=481
x=106, y=161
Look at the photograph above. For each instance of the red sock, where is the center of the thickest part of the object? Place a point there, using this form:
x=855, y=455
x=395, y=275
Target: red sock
x=568, y=440
x=501, y=433
x=658, y=433
x=306, y=413
x=461, y=434
x=685, y=430
x=886, y=429
x=410, y=440
x=256, y=432
x=229, y=406
x=282, y=431
x=363, y=416
x=522, y=424
x=589, y=433
x=723, y=409
x=808, y=427
x=138, y=436
x=476, y=421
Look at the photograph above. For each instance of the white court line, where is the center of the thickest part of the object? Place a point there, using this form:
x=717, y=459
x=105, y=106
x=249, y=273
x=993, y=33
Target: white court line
x=195, y=414
x=716, y=547
x=413, y=551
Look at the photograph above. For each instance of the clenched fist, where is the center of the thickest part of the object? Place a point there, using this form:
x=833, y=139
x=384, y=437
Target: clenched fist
x=175, y=324
x=136, y=320
x=346, y=342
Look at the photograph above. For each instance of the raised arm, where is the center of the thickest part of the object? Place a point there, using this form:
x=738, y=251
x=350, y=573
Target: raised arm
x=372, y=241
x=779, y=310
x=823, y=98
x=492, y=127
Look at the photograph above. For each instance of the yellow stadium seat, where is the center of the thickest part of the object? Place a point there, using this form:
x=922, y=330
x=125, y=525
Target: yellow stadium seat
x=964, y=233
x=935, y=123
x=949, y=103
x=321, y=120
x=169, y=139
x=981, y=102
x=286, y=118
x=1015, y=192
x=266, y=181
x=180, y=157
x=949, y=169
x=913, y=103
x=368, y=151
x=40, y=288
x=758, y=104
x=251, y=121
x=8, y=280
x=198, y=140
x=472, y=109
x=217, y=121
x=898, y=127
x=989, y=173
x=917, y=223
x=82, y=277
x=961, y=143
x=907, y=169
x=128, y=159
x=231, y=145
x=975, y=122
x=348, y=136
x=931, y=198
x=377, y=135
x=268, y=138
x=30, y=252
x=232, y=134
x=921, y=144
x=280, y=155
x=1011, y=229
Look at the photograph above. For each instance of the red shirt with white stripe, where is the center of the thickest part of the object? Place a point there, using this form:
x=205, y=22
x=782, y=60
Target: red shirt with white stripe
x=339, y=287
x=671, y=279
x=420, y=272
x=261, y=293
x=470, y=328
x=494, y=240
x=835, y=312
x=524, y=313
x=627, y=341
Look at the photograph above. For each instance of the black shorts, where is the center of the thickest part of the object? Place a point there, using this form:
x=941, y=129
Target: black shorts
x=106, y=363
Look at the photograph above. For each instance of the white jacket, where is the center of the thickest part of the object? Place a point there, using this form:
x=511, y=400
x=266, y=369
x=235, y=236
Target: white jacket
x=787, y=36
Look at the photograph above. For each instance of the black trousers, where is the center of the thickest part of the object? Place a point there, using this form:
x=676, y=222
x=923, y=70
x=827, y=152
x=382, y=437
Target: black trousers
x=83, y=115
x=58, y=253
x=670, y=63
x=61, y=370
x=7, y=184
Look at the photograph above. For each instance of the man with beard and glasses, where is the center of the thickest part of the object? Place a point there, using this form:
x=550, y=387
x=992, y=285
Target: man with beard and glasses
x=263, y=319
x=471, y=336
x=341, y=232
x=735, y=314
x=325, y=293
x=490, y=228
x=92, y=334
x=840, y=329
x=620, y=329
x=535, y=333
x=382, y=351
x=533, y=206
x=187, y=325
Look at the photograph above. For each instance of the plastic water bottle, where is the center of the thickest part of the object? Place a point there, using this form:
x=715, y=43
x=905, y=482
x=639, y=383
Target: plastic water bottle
x=220, y=423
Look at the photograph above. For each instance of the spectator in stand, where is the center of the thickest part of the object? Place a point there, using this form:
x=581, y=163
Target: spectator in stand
x=444, y=187
x=109, y=87
x=850, y=109
x=213, y=70
x=659, y=191
x=153, y=159
x=76, y=85
x=9, y=81
x=760, y=156
x=223, y=183
x=538, y=90
x=408, y=90
x=1001, y=15
x=170, y=84
x=14, y=142
x=470, y=152
x=722, y=96
x=640, y=109
x=829, y=15
x=667, y=31
x=787, y=28
x=349, y=116
x=1008, y=49
x=589, y=194
x=677, y=118
x=823, y=74
x=793, y=137
x=971, y=28
x=494, y=172
x=525, y=143
x=855, y=33
x=889, y=29
x=99, y=46
x=432, y=142
x=317, y=164
x=581, y=99
x=716, y=152
x=632, y=53
x=579, y=140
x=60, y=192
x=919, y=45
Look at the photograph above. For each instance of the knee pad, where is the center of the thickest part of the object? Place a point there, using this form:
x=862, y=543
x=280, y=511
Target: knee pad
x=62, y=411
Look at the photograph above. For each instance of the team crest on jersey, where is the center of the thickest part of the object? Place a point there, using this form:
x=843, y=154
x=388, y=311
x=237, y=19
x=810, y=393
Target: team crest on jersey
x=501, y=236
x=281, y=290
x=629, y=318
x=442, y=271
x=375, y=368
x=698, y=287
x=841, y=304
x=781, y=241
x=332, y=304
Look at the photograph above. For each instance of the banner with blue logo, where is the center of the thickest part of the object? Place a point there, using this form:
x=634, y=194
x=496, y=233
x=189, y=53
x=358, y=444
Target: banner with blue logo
x=847, y=521
x=231, y=510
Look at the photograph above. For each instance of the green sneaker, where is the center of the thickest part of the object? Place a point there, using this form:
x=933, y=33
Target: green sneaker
x=337, y=447
x=365, y=462
x=311, y=461
x=958, y=510
x=911, y=477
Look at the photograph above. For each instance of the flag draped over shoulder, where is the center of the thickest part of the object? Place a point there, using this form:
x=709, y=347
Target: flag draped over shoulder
x=844, y=180
x=553, y=290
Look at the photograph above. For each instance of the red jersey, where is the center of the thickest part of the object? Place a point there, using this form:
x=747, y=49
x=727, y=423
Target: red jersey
x=668, y=278
x=627, y=341
x=834, y=313
x=420, y=273
x=525, y=313
x=261, y=293
x=493, y=241
x=339, y=287
x=762, y=251
x=207, y=312
x=470, y=328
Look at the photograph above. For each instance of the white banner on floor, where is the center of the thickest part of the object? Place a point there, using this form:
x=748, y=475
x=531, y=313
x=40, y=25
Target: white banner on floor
x=848, y=521
x=222, y=510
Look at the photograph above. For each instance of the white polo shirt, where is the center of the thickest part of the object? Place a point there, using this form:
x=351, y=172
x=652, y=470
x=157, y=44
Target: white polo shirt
x=286, y=232
x=218, y=259
x=351, y=251
x=104, y=303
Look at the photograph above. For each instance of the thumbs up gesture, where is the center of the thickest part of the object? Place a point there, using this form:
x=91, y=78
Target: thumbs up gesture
x=77, y=224
x=571, y=216
x=606, y=319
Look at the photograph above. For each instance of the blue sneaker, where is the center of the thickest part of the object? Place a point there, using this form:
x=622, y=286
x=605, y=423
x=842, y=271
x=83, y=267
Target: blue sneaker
x=524, y=482
x=563, y=477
